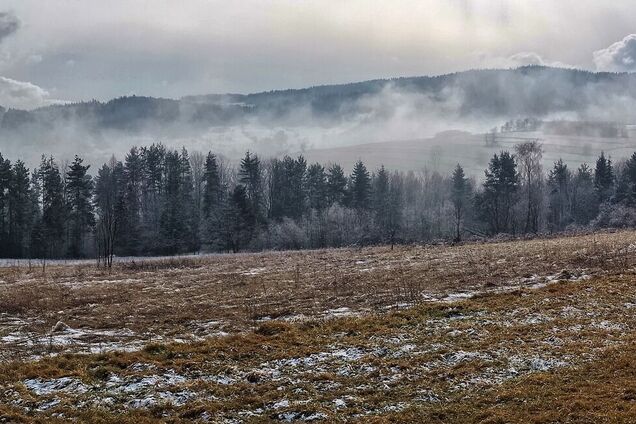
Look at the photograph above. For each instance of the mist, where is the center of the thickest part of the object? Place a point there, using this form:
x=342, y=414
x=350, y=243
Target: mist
x=317, y=120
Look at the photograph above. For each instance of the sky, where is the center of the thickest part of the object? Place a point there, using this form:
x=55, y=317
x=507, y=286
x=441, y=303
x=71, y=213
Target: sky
x=70, y=50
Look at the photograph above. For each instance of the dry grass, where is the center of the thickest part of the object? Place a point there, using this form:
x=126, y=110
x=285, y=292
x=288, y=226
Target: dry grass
x=182, y=296
x=560, y=353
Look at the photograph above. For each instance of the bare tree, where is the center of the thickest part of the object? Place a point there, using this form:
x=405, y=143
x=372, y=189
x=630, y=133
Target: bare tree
x=529, y=155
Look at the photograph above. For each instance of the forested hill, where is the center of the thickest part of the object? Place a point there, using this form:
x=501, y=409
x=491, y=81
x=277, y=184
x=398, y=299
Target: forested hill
x=527, y=91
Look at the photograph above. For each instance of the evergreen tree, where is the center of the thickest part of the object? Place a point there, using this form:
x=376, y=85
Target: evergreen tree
x=154, y=158
x=296, y=170
x=381, y=202
x=190, y=236
x=496, y=202
x=173, y=216
x=20, y=211
x=584, y=198
x=212, y=185
x=360, y=188
x=316, y=187
x=603, y=178
x=37, y=228
x=129, y=205
x=213, y=203
x=336, y=185
x=460, y=191
x=393, y=223
x=626, y=188
x=197, y=166
x=559, y=206
x=81, y=219
x=238, y=220
x=50, y=232
x=251, y=178
x=287, y=188
x=623, y=191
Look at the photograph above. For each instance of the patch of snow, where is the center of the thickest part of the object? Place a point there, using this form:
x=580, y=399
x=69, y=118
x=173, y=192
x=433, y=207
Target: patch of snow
x=64, y=384
x=462, y=356
x=281, y=404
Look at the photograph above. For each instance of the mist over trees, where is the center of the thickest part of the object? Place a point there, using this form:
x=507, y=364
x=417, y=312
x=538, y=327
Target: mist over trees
x=163, y=201
x=283, y=121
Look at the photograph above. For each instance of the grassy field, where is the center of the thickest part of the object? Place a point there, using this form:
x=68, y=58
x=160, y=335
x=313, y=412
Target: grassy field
x=445, y=150
x=522, y=331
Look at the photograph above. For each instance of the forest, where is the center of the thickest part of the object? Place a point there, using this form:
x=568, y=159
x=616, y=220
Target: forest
x=159, y=201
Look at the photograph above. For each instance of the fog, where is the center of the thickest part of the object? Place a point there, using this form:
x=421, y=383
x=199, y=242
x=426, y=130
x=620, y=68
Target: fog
x=391, y=113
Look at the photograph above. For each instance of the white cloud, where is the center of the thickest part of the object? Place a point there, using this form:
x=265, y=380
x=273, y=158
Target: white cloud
x=527, y=58
x=23, y=95
x=619, y=57
x=519, y=59
x=203, y=46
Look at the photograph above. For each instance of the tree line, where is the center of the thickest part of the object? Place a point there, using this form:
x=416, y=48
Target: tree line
x=163, y=201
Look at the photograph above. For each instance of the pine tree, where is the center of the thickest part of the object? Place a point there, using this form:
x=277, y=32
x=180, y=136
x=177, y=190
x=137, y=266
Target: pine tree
x=251, y=178
x=129, y=219
x=36, y=236
x=460, y=189
x=172, y=222
x=559, y=206
x=81, y=219
x=360, y=188
x=496, y=202
x=21, y=214
x=626, y=189
x=212, y=185
x=603, y=178
x=287, y=188
x=336, y=185
x=622, y=193
x=49, y=234
x=381, y=202
x=238, y=220
x=213, y=203
x=153, y=201
x=190, y=236
x=316, y=187
x=396, y=208
x=584, y=198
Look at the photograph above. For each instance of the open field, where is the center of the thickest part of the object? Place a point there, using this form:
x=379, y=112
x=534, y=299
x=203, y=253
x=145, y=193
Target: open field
x=522, y=331
x=445, y=150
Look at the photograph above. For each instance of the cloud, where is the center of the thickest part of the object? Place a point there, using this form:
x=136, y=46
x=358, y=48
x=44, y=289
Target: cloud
x=23, y=95
x=619, y=57
x=516, y=60
x=9, y=23
x=527, y=58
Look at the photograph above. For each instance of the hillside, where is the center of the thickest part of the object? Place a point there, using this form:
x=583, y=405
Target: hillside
x=443, y=151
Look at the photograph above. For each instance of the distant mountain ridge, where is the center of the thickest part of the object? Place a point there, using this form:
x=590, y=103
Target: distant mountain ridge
x=527, y=91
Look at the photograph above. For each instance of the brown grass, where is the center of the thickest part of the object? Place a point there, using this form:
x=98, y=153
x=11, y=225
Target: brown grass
x=175, y=296
x=435, y=362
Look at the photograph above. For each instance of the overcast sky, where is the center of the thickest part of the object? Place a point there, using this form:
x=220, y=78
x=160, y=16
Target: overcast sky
x=83, y=49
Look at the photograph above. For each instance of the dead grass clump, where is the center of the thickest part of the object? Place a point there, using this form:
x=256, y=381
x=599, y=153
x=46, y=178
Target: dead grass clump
x=272, y=328
x=160, y=264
